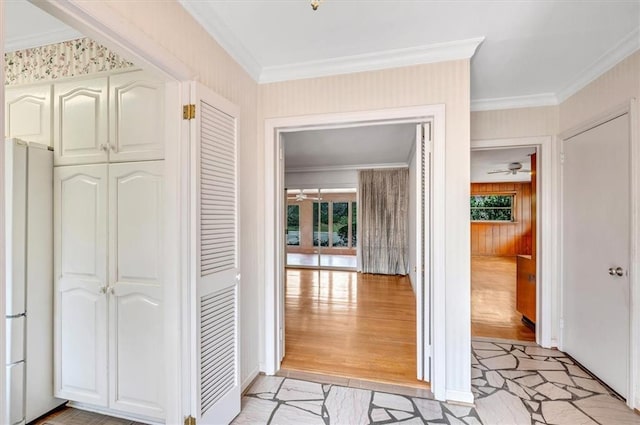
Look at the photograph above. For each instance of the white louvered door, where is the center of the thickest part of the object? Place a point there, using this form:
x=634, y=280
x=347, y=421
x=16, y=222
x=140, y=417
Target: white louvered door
x=214, y=138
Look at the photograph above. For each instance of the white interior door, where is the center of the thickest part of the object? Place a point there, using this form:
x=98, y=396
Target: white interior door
x=596, y=223
x=214, y=133
x=80, y=296
x=135, y=288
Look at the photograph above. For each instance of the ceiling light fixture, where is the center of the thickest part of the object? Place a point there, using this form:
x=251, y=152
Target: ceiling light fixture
x=315, y=4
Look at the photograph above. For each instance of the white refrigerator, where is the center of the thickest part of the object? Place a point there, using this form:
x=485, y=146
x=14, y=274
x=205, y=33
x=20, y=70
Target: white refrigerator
x=29, y=268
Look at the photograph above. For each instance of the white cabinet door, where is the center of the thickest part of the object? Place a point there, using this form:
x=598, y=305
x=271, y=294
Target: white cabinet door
x=28, y=113
x=80, y=300
x=135, y=285
x=80, y=122
x=136, y=105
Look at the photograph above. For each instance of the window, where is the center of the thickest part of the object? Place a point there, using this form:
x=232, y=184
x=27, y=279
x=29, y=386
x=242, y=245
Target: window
x=334, y=224
x=492, y=207
x=340, y=234
x=293, y=225
x=321, y=226
x=354, y=225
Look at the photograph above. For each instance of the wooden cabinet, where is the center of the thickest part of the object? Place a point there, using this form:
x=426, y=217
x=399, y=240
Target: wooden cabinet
x=28, y=113
x=108, y=231
x=80, y=129
x=526, y=287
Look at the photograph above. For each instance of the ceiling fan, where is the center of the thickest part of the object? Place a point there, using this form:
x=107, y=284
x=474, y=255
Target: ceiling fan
x=303, y=197
x=513, y=168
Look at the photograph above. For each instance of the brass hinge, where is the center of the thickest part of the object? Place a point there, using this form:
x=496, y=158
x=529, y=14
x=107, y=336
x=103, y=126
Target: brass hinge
x=189, y=112
x=189, y=420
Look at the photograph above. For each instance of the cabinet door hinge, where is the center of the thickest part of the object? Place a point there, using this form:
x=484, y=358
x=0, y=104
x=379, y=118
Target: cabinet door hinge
x=189, y=112
x=189, y=420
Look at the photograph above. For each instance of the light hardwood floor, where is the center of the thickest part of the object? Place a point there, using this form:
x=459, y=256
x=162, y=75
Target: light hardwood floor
x=351, y=324
x=493, y=299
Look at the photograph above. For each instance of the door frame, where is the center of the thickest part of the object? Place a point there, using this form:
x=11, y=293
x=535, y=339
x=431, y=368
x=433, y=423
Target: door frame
x=630, y=107
x=547, y=300
x=273, y=225
x=101, y=23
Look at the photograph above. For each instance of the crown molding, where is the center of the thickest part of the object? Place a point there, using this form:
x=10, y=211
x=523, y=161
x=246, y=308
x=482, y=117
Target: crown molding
x=514, y=102
x=40, y=39
x=203, y=13
x=353, y=167
x=608, y=60
x=440, y=52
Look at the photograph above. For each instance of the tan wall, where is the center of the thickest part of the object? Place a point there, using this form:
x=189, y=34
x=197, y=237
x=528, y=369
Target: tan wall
x=169, y=25
x=446, y=82
x=511, y=123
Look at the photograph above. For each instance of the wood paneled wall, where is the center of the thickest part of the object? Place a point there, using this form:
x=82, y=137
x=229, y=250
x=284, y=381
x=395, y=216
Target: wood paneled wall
x=509, y=238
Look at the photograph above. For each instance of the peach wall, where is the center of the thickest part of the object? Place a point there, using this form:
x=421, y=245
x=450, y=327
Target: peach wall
x=440, y=83
x=512, y=123
x=169, y=25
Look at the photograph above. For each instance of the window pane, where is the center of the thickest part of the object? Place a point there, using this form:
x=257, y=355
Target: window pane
x=293, y=225
x=354, y=219
x=340, y=224
x=321, y=236
x=492, y=207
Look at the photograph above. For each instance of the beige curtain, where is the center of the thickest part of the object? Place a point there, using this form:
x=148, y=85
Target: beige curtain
x=383, y=201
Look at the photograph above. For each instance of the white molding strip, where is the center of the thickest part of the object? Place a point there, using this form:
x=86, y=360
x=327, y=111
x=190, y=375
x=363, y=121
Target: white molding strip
x=514, y=102
x=440, y=52
x=203, y=13
x=345, y=167
x=608, y=60
x=40, y=39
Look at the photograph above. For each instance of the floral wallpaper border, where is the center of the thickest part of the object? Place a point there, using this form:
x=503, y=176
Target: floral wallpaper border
x=67, y=59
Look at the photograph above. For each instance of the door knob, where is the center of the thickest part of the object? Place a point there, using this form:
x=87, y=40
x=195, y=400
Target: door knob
x=103, y=289
x=618, y=271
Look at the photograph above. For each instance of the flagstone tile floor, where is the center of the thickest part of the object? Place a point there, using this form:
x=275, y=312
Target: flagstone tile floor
x=513, y=382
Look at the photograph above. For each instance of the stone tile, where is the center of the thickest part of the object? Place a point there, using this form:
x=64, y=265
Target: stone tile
x=537, y=417
x=502, y=408
x=429, y=409
x=608, y=410
x=266, y=396
x=539, y=397
x=519, y=353
x=254, y=411
x=481, y=345
x=539, y=357
x=487, y=390
x=506, y=361
x=530, y=380
x=562, y=413
x=474, y=360
x=457, y=410
x=478, y=382
x=314, y=406
x=288, y=415
x=505, y=346
x=483, y=354
x=545, y=352
x=414, y=421
x=591, y=385
x=266, y=384
x=530, y=391
x=475, y=373
x=453, y=420
x=392, y=401
x=400, y=415
x=480, y=367
x=348, y=405
x=517, y=390
x=577, y=371
x=565, y=360
x=553, y=392
x=529, y=364
x=512, y=374
x=579, y=392
x=471, y=420
x=379, y=415
x=494, y=379
x=559, y=377
x=294, y=389
x=534, y=405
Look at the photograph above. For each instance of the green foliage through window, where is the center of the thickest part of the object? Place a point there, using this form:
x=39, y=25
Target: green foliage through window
x=492, y=207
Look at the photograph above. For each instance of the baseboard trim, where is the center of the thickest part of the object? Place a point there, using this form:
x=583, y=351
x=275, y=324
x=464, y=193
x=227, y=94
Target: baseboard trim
x=246, y=383
x=114, y=413
x=460, y=397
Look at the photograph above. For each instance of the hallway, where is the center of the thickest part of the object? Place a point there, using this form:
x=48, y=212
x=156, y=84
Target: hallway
x=352, y=325
x=493, y=299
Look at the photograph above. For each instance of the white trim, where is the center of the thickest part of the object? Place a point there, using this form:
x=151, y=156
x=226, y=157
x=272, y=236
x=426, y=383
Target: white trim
x=548, y=304
x=249, y=379
x=514, y=102
x=631, y=108
x=608, y=60
x=115, y=414
x=203, y=13
x=346, y=167
x=462, y=397
x=3, y=274
x=41, y=39
x=438, y=52
x=272, y=225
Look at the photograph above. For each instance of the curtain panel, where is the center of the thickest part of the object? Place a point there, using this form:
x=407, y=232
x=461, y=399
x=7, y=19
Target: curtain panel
x=383, y=201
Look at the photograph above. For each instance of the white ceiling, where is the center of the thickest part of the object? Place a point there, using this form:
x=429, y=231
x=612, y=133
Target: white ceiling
x=483, y=161
x=534, y=52
x=28, y=26
x=355, y=147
